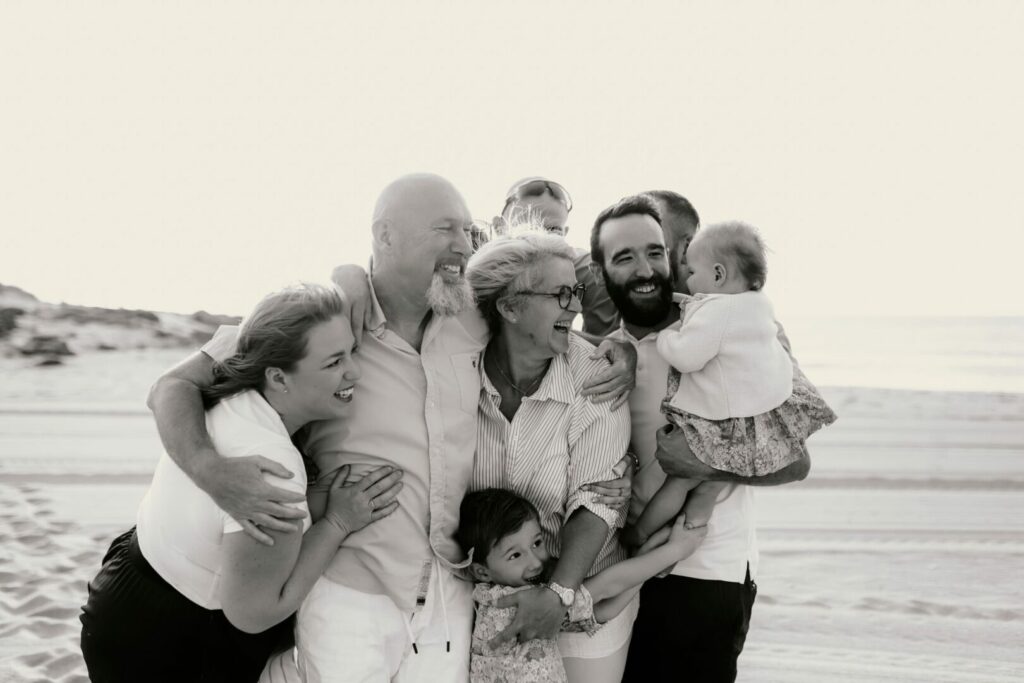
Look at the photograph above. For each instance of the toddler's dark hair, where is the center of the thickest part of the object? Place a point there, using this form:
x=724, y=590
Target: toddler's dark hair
x=487, y=516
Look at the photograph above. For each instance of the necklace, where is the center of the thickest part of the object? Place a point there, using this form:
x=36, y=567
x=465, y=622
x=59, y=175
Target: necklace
x=515, y=387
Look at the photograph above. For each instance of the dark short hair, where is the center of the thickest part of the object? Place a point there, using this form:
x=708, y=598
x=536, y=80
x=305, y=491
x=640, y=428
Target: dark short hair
x=677, y=204
x=637, y=204
x=489, y=515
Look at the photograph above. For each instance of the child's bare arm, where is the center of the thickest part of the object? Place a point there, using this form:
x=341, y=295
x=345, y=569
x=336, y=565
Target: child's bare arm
x=663, y=507
x=606, y=610
x=631, y=573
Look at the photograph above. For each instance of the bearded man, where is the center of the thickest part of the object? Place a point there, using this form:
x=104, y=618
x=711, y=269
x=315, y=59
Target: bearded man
x=693, y=622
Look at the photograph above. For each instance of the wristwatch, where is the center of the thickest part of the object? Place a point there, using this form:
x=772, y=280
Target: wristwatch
x=566, y=595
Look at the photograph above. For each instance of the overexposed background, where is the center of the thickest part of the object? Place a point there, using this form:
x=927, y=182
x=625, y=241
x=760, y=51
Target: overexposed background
x=178, y=156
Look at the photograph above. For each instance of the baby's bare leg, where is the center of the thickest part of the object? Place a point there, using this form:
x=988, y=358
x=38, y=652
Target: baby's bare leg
x=701, y=503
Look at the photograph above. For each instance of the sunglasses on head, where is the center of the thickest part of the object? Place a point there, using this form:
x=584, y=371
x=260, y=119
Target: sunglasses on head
x=537, y=188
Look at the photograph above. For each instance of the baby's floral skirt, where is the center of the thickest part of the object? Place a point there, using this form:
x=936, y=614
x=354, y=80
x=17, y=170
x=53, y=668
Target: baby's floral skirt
x=758, y=445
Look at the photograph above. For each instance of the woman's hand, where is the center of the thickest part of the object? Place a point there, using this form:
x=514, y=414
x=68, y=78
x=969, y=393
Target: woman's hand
x=350, y=507
x=539, y=614
x=615, y=493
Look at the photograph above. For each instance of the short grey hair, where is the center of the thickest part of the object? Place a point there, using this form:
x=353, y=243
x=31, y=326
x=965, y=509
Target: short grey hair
x=508, y=265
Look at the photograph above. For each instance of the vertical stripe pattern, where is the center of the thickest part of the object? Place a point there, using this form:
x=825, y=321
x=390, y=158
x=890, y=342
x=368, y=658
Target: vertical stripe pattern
x=557, y=442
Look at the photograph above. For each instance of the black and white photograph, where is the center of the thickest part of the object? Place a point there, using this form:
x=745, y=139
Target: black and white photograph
x=500, y=342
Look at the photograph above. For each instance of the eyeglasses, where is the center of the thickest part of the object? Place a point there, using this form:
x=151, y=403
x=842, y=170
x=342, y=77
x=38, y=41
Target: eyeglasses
x=564, y=294
x=536, y=187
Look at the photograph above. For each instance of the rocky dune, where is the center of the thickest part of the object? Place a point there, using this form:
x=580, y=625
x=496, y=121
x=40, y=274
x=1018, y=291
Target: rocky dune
x=47, y=333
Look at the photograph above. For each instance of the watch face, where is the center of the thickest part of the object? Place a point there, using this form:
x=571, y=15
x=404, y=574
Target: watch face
x=566, y=595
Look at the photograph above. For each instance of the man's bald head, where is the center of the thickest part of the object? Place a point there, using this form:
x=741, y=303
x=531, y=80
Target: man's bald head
x=419, y=198
x=421, y=240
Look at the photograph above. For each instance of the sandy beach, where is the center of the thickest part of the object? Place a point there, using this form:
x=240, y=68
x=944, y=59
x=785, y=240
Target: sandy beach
x=898, y=559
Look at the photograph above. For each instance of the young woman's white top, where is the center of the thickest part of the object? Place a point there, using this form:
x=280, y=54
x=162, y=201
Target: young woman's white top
x=730, y=357
x=180, y=528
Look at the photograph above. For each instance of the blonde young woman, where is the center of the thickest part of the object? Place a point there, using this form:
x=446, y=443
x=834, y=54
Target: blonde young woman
x=540, y=438
x=186, y=596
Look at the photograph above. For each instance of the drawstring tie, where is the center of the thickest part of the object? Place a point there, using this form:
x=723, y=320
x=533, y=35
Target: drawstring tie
x=444, y=609
x=407, y=620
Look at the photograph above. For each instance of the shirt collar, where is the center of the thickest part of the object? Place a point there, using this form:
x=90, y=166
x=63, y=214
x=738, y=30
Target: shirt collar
x=557, y=384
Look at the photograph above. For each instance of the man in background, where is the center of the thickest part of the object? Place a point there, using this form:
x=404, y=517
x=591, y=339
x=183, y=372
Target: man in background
x=537, y=199
x=679, y=223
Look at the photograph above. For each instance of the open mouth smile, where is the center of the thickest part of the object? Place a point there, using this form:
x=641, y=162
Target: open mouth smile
x=345, y=394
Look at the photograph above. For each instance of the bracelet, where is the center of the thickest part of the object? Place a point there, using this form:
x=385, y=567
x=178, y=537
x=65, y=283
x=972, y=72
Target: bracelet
x=635, y=460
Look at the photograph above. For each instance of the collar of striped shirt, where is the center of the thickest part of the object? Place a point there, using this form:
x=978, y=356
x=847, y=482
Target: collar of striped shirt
x=557, y=384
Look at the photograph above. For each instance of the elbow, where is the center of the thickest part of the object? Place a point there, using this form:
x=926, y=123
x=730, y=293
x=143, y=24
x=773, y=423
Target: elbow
x=153, y=397
x=167, y=386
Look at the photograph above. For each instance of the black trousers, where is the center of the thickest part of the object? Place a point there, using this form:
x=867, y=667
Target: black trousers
x=137, y=627
x=689, y=630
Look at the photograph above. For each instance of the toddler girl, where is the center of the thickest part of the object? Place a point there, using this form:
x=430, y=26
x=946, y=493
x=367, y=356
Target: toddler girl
x=742, y=404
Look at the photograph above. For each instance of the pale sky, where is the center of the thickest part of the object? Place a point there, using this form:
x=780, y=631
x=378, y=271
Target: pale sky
x=178, y=156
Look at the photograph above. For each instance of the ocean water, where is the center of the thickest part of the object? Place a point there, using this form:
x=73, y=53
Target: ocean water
x=930, y=353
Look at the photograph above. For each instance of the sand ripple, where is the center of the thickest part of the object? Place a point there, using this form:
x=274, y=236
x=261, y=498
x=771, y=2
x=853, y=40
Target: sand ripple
x=46, y=568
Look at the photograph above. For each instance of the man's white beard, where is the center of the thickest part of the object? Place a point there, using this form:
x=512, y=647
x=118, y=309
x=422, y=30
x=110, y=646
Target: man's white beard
x=449, y=299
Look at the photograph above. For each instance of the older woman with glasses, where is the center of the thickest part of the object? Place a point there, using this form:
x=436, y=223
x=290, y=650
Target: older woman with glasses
x=540, y=438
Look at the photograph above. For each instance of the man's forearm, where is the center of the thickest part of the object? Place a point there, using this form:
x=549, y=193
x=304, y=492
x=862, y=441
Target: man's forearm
x=177, y=405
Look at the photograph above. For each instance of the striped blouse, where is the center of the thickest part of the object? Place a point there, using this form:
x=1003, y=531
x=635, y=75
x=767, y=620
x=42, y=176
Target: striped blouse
x=557, y=442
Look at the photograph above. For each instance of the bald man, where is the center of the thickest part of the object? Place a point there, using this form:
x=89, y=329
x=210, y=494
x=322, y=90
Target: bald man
x=389, y=604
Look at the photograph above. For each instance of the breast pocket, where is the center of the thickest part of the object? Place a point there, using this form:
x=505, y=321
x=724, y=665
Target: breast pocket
x=466, y=370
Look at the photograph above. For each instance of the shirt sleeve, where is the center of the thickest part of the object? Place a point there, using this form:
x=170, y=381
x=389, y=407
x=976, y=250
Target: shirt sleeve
x=698, y=339
x=224, y=343
x=292, y=460
x=593, y=458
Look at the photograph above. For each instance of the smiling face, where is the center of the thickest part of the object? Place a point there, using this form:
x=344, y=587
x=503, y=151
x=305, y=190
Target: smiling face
x=322, y=385
x=423, y=233
x=636, y=268
x=539, y=325
x=517, y=559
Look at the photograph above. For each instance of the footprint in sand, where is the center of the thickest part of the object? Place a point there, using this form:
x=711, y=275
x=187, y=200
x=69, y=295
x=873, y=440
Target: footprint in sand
x=85, y=557
x=57, y=612
x=33, y=660
x=64, y=662
x=50, y=629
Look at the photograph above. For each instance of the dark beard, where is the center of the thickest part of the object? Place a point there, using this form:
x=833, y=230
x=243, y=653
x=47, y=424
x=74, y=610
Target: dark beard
x=644, y=314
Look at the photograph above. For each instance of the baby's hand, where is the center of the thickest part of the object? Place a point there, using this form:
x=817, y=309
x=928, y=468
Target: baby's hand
x=684, y=540
x=682, y=300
